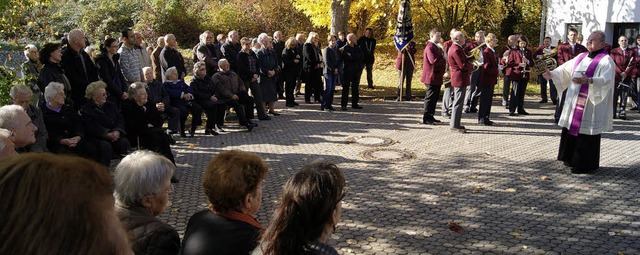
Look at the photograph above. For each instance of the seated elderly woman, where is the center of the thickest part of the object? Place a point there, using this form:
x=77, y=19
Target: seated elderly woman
x=233, y=185
x=182, y=98
x=311, y=198
x=143, y=123
x=64, y=126
x=142, y=188
x=71, y=211
x=104, y=124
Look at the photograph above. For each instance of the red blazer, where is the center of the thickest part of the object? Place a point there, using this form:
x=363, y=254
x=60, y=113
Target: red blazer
x=515, y=58
x=446, y=45
x=460, y=68
x=622, y=63
x=433, y=65
x=564, y=52
x=636, y=71
x=490, y=71
x=505, y=70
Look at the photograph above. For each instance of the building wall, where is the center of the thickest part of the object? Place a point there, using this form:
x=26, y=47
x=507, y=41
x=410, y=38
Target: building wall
x=592, y=14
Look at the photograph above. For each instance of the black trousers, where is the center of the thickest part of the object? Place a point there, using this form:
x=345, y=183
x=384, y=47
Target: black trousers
x=506, y=85
x=155, y=140
x=215, y=113
x=581, y=152
x=517, y=95
x=313, y=86
x=430, y=99
x=196, y=114
x=352, y=80
x=289, y=88
x=369, y=68
x=486, y=98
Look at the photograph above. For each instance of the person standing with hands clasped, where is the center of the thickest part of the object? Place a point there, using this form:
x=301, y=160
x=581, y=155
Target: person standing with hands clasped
x=588, y=80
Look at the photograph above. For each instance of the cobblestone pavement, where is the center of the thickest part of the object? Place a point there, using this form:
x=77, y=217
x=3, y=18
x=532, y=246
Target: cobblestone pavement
x=500, y=184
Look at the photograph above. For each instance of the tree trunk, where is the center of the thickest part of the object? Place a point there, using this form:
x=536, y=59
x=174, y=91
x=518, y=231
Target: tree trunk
x=340, y=16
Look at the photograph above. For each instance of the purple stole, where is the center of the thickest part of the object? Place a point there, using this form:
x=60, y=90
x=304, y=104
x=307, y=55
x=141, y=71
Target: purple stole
x=584, y=92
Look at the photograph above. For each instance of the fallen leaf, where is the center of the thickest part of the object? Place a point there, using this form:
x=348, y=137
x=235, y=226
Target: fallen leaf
x=477, y=189
x=474, y=177
x=517, y=235
x=544, y=178
x=191, y=146
x=512, y=190
x=447, y=193
x=371, y=239
x=455, y=227
x=351, y=241
x=524, y=179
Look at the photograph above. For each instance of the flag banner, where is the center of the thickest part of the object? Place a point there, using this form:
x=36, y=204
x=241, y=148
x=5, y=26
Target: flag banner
x=404, y=26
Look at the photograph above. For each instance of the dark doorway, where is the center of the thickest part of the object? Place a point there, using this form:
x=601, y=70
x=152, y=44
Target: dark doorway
x=629, y=29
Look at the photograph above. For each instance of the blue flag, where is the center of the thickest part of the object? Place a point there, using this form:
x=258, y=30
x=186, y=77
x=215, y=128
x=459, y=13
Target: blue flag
x=404, y=26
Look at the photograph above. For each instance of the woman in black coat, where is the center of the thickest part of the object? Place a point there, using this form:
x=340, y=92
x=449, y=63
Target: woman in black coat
x=109, y=71
x=143, y=123
x=50, y=56
x=104, y=124
x=292, y=63
x=312, y=68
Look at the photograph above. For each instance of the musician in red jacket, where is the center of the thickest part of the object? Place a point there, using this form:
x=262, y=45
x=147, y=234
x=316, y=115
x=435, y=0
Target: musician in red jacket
x=488, y=79
x=625, y=59
x=512, y=40
x=543, y=49
x=566, y=52
x=460, y=70
x=433, y=69
x=635, y=88
x=447, y=97
x=520, y=61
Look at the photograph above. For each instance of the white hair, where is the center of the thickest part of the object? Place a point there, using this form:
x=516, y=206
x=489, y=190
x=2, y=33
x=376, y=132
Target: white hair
x=140, y=174
x=6, y=134
x=144, y=69
x=9, y=116
x=311, y=36
x=167, y=37
x=169, y=71
x=51, y=90
x=75, y=34
x=19, y=89
x=232, y=32
x=28, y=49
x=262, y=38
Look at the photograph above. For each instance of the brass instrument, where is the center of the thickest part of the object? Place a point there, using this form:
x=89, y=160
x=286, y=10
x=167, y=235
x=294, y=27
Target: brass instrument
x=476, y=54
x=547, y=62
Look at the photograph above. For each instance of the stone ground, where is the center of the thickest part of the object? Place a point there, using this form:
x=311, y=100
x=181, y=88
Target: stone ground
x=500, y=184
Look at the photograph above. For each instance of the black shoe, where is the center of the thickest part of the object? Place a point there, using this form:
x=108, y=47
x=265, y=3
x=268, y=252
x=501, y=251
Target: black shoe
x=513, y=114
x=295, y=104
x=467, y=110
x=356, y=107
x=210, y=131
x=523, y=112
x=575, y=170
x=554, y=102
x=274, y=113
x=182, y=134
x=543, y=101
x=633, y=108
x=192, y=131
x=371, y=86
x=485, y=122
x=473, y=110
x=321, y=108
x=344, y=108
x=174, y=179
x=428, y=122
x=249, y=126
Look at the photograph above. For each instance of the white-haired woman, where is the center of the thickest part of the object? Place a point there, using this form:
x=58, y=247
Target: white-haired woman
x=31, y=70
x=104, y=124
x=142, y=187
x=312, y=68
x=143, y=123
x=269, y=71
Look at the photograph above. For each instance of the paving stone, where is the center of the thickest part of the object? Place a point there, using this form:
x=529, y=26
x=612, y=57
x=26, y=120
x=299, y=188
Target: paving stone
x=501, y=184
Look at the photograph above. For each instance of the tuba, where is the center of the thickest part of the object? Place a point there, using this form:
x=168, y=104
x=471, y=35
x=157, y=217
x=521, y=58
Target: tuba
x=547, y=62
x=476, y=54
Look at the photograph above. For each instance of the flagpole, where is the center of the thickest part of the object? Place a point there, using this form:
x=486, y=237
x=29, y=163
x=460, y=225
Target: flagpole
x=401, y=80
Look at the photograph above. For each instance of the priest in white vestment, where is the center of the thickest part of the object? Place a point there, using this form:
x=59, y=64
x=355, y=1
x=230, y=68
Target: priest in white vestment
x=588, y=110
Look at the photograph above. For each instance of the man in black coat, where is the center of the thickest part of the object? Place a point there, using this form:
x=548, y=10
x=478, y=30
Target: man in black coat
x=353, y=64
x=78, y=67
x=208, y=52
x=231, y=48
x=170, y=57
x=278, y=47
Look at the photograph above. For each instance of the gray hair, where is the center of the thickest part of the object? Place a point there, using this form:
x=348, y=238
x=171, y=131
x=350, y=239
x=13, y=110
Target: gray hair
x=91, y=89
x=140, y=174
x=135, y=87
x=28, y=49
x=19, y=89
x=311, y=36
x=197, y=66
x=169, y=71
x=74, y=34
x=9, y=116
x=167, y=37
x=52, y=90
x=262, y=38
x=6, y=134
x=223, y=61
x=602, y=35
x=203, y=36
x=232, y=32
x=456, y=36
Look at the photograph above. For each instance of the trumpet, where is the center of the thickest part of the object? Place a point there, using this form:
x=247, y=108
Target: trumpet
x=476, y=54
x=547, y=62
